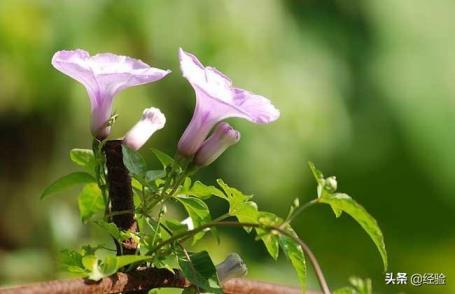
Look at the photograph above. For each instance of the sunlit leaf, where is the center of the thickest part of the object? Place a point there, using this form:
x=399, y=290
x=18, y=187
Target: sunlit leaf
x=84, y=158
x=125, y=260
x=344, y=203
x=270, y=239
x=201, y=190
x=295, y=254
x=90, y=202
x=71, y=261
x=70, y=180
x=316, y=173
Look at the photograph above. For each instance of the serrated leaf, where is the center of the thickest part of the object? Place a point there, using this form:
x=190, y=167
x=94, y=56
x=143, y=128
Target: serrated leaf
x=90, y=202
x=165, y=159
x=240, y=205
x=295, y=254
x=84, y=158
x=270, y=239
x=201, y=190
x=198, y=212
x=70, y=180
x=344, y=203
x=235, y=198
x=200, y=270
x=134, y=162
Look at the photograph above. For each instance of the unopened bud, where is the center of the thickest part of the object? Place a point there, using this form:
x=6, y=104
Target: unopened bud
x=222, y=137
x=331, y=184
x=151, y=121
x=232, y=267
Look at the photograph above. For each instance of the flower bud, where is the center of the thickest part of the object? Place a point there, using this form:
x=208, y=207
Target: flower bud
x=151, y=121
x=331, y=184
x=222, y=137
x=232, y=267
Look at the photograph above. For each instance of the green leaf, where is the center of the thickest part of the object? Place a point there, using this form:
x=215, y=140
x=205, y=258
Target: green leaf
x=175, y=226
x=200, y=270
x=71, y=261
x=316, y=173
x=125, y=260
x=344, y=203
x=295, y=254
x=70, y=180
x=270, y=239
x=165, y=159
x=152, y=175
x=103, y=263
x=110, y=228
x=345, y=290
x=84, y=158
x=359, y=286
x=108, y=266
x=134, y=162
x=201, y=190
x=235, y=198
x=198, y=212
x=240, y=205
x=90, y=202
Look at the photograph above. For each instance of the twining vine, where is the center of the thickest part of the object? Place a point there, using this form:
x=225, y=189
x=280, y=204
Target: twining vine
x=127, y=199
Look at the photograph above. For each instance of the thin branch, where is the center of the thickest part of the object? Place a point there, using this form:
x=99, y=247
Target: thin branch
x=305, y=248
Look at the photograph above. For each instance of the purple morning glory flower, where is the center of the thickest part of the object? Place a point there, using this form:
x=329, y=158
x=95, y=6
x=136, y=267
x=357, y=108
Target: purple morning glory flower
x=217, y=99
x=104, y=75
x=222, y=137
x=152, y=120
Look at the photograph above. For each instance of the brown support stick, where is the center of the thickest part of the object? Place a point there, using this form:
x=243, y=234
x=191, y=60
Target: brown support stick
x=144, y=280
x=136, y=281
x=120, y=194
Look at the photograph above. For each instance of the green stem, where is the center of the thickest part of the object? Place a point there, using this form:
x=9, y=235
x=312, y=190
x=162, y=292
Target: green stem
x=100, y=174
x=299, y=211
x=305, y=248
x=160, y=214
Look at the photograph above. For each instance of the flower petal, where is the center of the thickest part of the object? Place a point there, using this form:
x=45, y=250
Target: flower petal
x=74, y=64
x=256, y=108
x=104, y=75
x=216, y=92
x=217, y=99
x=117, y=72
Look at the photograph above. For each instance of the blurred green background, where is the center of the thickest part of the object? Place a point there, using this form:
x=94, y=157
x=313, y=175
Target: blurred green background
x=365, y=88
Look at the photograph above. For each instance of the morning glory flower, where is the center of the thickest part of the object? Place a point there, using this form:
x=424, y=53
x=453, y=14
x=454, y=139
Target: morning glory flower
x=152, y=120
x=222, y=137
x=216, y=100
x=104, y=75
